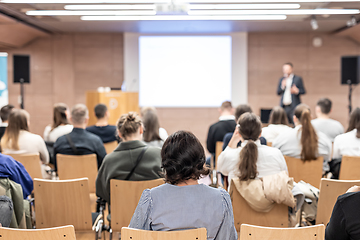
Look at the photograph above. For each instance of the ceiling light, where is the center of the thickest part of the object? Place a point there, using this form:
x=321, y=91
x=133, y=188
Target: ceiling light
x=276, y=12
x=263, y=1
x=111, y=7
x=314, y=23
x=243, y=6
x=83, y=1
x=89, y=13
x=182, y=17
x=3, y=54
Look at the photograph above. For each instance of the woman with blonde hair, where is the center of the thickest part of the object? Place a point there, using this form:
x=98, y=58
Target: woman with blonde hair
x=304, y=141
x=60, y=125
x=278, y=123
x=18, y=139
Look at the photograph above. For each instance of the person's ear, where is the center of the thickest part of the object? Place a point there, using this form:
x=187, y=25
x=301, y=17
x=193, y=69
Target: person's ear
x=119, y=133
x=141, y=128
x=86, y=121
x=71, y=120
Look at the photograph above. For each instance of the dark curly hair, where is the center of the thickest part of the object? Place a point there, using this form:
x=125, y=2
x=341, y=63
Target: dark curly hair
x=183, y=158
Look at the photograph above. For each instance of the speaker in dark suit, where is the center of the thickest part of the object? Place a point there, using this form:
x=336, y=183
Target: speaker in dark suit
x=290, y=88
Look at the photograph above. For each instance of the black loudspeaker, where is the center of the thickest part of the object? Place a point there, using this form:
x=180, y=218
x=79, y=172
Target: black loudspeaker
x=350, y=70
x=265, y=115
x=21, y=68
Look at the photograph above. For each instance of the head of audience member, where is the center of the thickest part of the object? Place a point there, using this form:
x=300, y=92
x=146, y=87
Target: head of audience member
x=101, y=114
x=287, y=69
x=183, y=158
x=79, y=116
x=354, y=122
x=241, y=109
x=226, y=109
x=60, y=115
x=323, y=108
x=309, y=138
x=151, y=124
x=249, y=127
x=5, y=112
x=278, y=116
x=18, y=120
x=130, y=127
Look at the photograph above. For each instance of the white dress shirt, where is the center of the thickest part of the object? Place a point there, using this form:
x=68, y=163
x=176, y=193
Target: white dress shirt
x=289, y=144
x=347, y=144
x=273, y=130
x=287, y=93
x=270, y=161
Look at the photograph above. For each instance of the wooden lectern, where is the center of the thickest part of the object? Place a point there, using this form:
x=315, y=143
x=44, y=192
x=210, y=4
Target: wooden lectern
x=118, y=103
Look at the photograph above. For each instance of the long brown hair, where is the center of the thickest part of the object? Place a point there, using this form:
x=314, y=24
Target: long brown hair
x=151, y=124
x=60, y=117
x=278, y=116
x=250, y=129
x=18, y=120
x=354, y=122
x=309, y=138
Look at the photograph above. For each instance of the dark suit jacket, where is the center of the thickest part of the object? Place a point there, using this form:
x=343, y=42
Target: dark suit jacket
x=295, y=98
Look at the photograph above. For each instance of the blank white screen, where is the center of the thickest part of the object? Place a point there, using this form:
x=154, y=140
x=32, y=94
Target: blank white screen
x=184, y=71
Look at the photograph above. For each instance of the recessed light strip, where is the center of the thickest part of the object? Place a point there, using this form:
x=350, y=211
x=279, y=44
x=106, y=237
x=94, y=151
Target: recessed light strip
x=182, y=18
x=89, y=13
x=276, y=12
x=243, y=6
x=111, y=7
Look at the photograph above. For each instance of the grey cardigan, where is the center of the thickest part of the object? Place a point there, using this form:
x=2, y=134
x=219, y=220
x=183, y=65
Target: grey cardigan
x=118, y=164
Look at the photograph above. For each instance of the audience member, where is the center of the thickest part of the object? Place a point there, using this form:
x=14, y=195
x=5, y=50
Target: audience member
x=225, y=125
x=349, y=142
x=152, y=128
x=17, y=138
x=106, y=132
x=15, y=171
x=80, y=141
x=344, y=223
x=251, y=159
x=323, y=123
x=4, y=115
x=6, y=211
x=182, y=203
x=60, y=125
x=304, y=141
x=278, y=123
x=243, y=108
x=131, y=160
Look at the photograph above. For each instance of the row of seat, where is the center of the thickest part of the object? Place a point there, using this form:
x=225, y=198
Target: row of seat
x=248, y=232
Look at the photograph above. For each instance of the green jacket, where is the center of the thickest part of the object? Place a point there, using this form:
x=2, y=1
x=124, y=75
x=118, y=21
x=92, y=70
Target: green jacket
x=21, y=217
x=118, y=164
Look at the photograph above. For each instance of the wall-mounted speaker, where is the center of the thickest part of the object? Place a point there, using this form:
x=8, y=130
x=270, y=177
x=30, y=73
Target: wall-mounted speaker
x=350, y=70
x=21, y=68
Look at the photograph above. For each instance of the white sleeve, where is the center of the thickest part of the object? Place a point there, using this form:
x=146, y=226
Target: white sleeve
x=44, y=154
x=336, y=149
x=227, y=160
x=282, y=162
x=47, y=132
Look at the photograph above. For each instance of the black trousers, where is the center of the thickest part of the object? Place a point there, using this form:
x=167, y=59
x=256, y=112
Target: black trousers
x=289, y=109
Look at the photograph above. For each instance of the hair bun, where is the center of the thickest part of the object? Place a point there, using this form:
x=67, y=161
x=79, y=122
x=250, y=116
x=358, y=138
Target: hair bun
x=130, y=117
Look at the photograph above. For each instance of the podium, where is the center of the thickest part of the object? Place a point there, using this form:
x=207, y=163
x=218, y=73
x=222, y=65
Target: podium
x=117, y=102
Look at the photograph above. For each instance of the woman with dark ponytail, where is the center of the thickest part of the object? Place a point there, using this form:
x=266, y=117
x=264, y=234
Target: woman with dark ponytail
x=304, y=141
x=251, y=160
x=349, y=142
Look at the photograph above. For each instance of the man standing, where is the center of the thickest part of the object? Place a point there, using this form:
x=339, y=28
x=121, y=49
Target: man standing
x=290, y=88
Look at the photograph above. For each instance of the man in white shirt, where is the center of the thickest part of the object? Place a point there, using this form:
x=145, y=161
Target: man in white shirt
x=323, y=122
x=290, y=88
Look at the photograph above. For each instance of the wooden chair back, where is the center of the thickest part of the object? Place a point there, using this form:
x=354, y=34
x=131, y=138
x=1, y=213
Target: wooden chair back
x=136, y=234
x=243, y=213
x=218, y=150
x=124, y=198
x=269, y=144
x=78, y=166
x=308, y=171
x=249, y=232
x=329, y=191
x=31, y=162
x=110, y=146
x=63, y=202
x=349, y=169
x=59, y=233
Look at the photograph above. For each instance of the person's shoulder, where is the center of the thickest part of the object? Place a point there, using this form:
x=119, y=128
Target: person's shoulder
x=350, y=196
x=154, y=151
x=93, y=137
x=91, y=128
